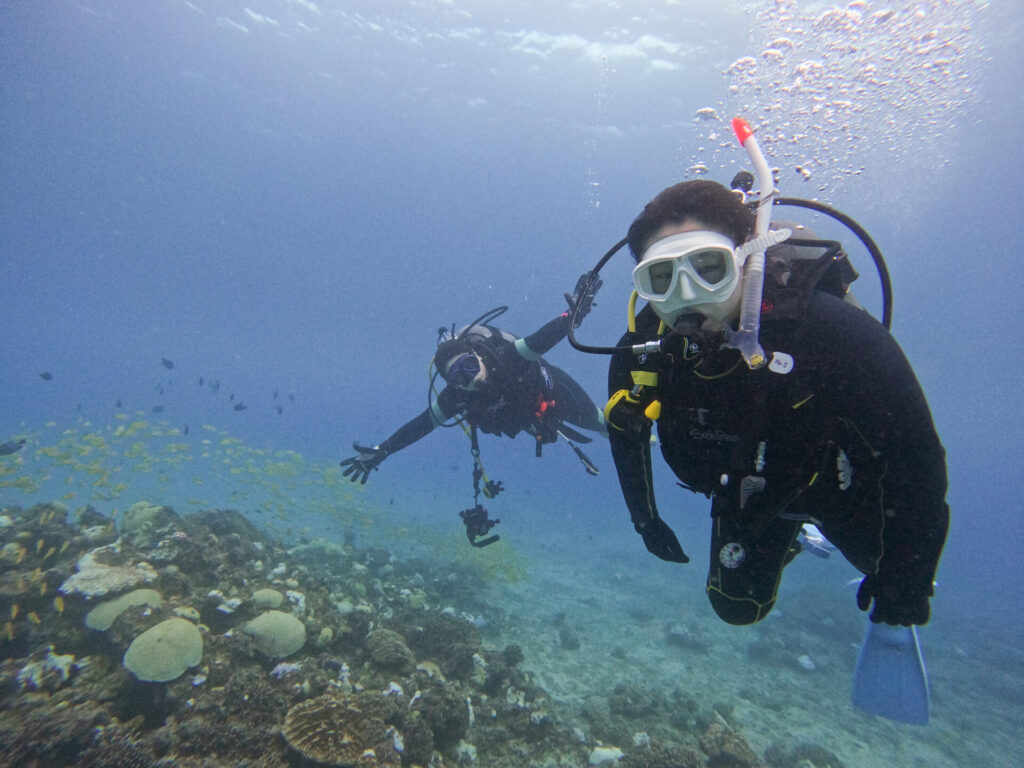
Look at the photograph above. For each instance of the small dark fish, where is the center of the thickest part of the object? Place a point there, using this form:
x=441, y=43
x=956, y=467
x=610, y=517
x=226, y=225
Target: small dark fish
x=167, y=363
x=157, y=409
x=292, y=398
x=232, y=396
x=45, y=375
x=200, y=381
x=280, y=410
x=240, y=406
x=275, y=394
x=118, y=403
x=160, y=388
x=13, y=446
x=184, y=430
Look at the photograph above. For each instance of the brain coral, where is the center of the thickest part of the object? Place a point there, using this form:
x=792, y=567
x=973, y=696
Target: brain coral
x=388, y=649
x=267, y=598
x=337, y=732
x=142, y=514
x=105, y=614
x=164, y=652
x=277, y=634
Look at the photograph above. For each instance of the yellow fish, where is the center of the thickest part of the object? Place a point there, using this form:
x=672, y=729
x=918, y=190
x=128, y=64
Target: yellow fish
x=9, y=631
x=64, y=547
x=58, y=603
x=42, y=589
x=39, y=545
x=34, y=618
x=14, y=611
x=49, y=553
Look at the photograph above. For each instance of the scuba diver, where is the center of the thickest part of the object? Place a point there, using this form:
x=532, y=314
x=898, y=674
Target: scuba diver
x=832, y=429
x=499, y=384
x=825, y=424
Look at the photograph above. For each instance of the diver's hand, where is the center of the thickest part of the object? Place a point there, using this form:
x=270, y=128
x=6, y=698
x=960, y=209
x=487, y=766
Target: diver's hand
x=661, y=541
x=582, y=298
x=358, y=467
x=893, y=605
x=625, y=413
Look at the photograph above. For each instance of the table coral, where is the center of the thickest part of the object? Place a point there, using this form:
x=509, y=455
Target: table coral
x=336, y=732
x=99, y=574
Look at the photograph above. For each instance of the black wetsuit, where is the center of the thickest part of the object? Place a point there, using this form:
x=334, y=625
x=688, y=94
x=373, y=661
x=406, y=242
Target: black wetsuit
x=523, y=392
x=845, y=440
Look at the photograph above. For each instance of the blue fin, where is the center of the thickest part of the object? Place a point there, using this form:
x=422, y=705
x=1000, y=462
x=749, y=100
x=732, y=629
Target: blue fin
x=890, y=680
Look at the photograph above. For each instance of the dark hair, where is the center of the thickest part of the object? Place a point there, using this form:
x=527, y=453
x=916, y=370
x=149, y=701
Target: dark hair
x=710, y=202
x=449, y=350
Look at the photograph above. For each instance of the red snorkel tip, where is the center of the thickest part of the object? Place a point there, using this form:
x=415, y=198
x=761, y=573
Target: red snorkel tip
x=742, y=129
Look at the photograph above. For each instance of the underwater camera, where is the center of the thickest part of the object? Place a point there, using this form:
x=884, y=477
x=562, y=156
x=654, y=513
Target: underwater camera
x=477, y=525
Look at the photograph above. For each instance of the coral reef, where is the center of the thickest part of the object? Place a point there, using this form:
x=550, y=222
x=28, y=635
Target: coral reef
x=200, y=641
x=189, y=671
x=726, y=748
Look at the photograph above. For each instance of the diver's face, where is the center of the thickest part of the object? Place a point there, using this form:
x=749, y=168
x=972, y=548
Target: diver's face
x=717, y=314
x=466, y=371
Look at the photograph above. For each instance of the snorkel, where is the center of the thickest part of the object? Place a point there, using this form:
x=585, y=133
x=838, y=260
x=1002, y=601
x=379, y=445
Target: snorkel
x=745, y=337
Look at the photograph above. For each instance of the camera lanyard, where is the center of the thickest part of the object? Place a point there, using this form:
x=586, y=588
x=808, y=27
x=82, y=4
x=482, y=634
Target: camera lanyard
x=491, y=488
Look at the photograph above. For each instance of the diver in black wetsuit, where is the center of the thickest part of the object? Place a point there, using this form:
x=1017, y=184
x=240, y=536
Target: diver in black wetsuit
x=834, y=430
x=500, y=384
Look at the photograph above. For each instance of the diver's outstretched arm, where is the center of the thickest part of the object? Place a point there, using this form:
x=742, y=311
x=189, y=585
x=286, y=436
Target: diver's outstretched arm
x=541, y=341
x=358, y=467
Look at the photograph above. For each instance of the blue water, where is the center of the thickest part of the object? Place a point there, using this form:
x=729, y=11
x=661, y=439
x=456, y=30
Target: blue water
x=289, y=197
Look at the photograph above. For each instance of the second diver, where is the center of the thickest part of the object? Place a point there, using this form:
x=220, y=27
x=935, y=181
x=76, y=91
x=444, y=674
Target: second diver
x=500, y=384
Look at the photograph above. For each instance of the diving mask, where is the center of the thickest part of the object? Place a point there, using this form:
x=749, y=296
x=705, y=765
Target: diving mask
x=462, y=370
x=687, y=269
